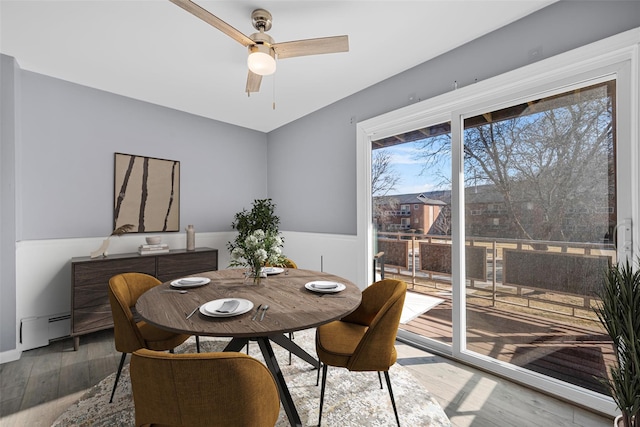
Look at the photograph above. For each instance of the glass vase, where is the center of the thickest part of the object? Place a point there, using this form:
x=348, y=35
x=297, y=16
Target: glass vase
x=257, y=275
x=257, y=279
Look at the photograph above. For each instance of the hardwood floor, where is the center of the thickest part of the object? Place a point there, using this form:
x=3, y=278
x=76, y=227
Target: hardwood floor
x=474, y=398
x=36, y=389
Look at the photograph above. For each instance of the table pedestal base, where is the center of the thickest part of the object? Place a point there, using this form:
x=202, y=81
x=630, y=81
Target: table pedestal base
x=237, y=344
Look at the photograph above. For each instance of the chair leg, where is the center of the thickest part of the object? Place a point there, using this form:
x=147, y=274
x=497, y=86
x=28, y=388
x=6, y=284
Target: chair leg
x=318, y=377
x=380, y=379
x=197, y=344
x=324, y=383
x=393, y=401
x=115, y=384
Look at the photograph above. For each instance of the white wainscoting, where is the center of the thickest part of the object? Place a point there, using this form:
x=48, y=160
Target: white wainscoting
x=331, y=253
x=43, y=267
x=43, y=271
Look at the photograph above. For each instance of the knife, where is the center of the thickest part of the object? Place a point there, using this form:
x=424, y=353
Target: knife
x=256, y=313
x=264, y=311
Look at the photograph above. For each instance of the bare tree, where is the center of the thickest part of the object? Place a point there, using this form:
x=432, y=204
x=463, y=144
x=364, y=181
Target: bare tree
x=384, y=179
x=554, y=154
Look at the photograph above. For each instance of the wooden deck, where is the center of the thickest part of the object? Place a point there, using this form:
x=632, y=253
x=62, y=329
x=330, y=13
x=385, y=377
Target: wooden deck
x=572, y=353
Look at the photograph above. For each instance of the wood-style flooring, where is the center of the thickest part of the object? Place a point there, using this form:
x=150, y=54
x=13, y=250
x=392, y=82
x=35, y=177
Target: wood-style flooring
x=36, y=389
x=568, y=352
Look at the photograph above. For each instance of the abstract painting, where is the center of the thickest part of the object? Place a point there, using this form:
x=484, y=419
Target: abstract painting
x=146, y=193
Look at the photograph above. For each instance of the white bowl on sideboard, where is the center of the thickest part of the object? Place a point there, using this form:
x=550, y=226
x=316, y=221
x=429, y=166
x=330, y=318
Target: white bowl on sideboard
x=153, y=240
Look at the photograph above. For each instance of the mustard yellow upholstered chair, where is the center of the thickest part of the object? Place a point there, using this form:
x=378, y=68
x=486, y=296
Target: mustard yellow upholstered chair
x=364, y=340
x=202, y=389
x=288, y=263
x=130, y=334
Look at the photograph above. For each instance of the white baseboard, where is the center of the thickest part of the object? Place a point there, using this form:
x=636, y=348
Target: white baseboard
x=10, y=356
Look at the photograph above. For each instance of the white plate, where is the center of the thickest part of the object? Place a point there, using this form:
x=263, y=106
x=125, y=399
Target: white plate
x=325, y=287
x=190, y=282
x=272, y=270
x=209, y=309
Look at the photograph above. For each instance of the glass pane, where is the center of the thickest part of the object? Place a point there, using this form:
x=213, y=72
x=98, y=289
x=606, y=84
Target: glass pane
x=411, y=187
x=540, y=213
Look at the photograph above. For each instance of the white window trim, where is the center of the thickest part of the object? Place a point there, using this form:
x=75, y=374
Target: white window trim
x=619, y=55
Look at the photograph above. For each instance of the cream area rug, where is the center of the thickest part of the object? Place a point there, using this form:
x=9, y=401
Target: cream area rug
x=415, y=304
x=351, y=398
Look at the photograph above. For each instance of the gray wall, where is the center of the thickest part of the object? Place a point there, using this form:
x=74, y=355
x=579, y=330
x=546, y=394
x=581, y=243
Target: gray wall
x=9, y=107
x=312, y=161
x=69, y=136
x=58, y=144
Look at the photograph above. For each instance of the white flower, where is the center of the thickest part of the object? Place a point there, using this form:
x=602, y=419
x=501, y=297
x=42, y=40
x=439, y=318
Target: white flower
x=237, y=253
x=262, y=255
x=257, y=249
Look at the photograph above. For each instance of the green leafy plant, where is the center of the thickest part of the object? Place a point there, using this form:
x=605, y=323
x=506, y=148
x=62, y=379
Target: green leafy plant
x=261, y=217
x=619, y=313
x=258, y=242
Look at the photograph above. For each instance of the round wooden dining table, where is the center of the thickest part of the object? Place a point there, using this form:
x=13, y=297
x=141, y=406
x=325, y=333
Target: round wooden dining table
x=291, y=307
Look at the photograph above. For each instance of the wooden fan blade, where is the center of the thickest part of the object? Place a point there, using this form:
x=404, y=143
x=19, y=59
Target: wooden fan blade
x=213, y=20
x=253, y=82
x=312, y=46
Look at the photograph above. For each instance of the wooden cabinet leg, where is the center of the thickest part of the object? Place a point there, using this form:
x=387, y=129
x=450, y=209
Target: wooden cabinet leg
x=76, y=343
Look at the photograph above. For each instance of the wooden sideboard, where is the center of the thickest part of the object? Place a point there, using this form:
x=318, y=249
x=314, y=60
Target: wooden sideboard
x=90, y=309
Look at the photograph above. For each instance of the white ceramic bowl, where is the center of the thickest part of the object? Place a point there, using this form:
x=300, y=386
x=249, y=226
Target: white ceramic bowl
x=153, y=240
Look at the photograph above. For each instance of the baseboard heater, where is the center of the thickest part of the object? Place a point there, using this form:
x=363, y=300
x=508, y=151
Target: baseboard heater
x=40, y=330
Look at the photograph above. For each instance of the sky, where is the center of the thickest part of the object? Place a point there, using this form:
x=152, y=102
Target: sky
x=404, y=158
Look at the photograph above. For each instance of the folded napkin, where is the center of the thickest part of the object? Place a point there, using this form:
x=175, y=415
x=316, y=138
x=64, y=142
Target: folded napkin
x=324, y=285
x=228, y=306
x=189, y=281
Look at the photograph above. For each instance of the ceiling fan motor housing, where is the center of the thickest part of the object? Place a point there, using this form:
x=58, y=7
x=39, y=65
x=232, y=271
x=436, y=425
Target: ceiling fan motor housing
x=263, y=44
x=262, y=38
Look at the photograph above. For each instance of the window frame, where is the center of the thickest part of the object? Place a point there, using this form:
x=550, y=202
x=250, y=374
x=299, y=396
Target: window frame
x=614, y=56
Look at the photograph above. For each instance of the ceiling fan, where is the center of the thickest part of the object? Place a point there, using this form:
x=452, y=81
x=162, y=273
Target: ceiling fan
x=262, y=48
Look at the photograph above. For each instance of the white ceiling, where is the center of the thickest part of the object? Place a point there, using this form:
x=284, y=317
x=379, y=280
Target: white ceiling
x=152, y=50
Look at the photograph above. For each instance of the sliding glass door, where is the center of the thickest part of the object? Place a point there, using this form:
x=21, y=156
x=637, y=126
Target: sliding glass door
x=501, y=206
x=540, y=216
x=411, y=199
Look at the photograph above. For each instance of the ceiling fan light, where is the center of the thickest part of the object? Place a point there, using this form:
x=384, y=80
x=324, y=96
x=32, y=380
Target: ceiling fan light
x=261, y=61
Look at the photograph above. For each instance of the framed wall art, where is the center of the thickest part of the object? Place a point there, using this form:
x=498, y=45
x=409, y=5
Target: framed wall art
x=146, y=193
